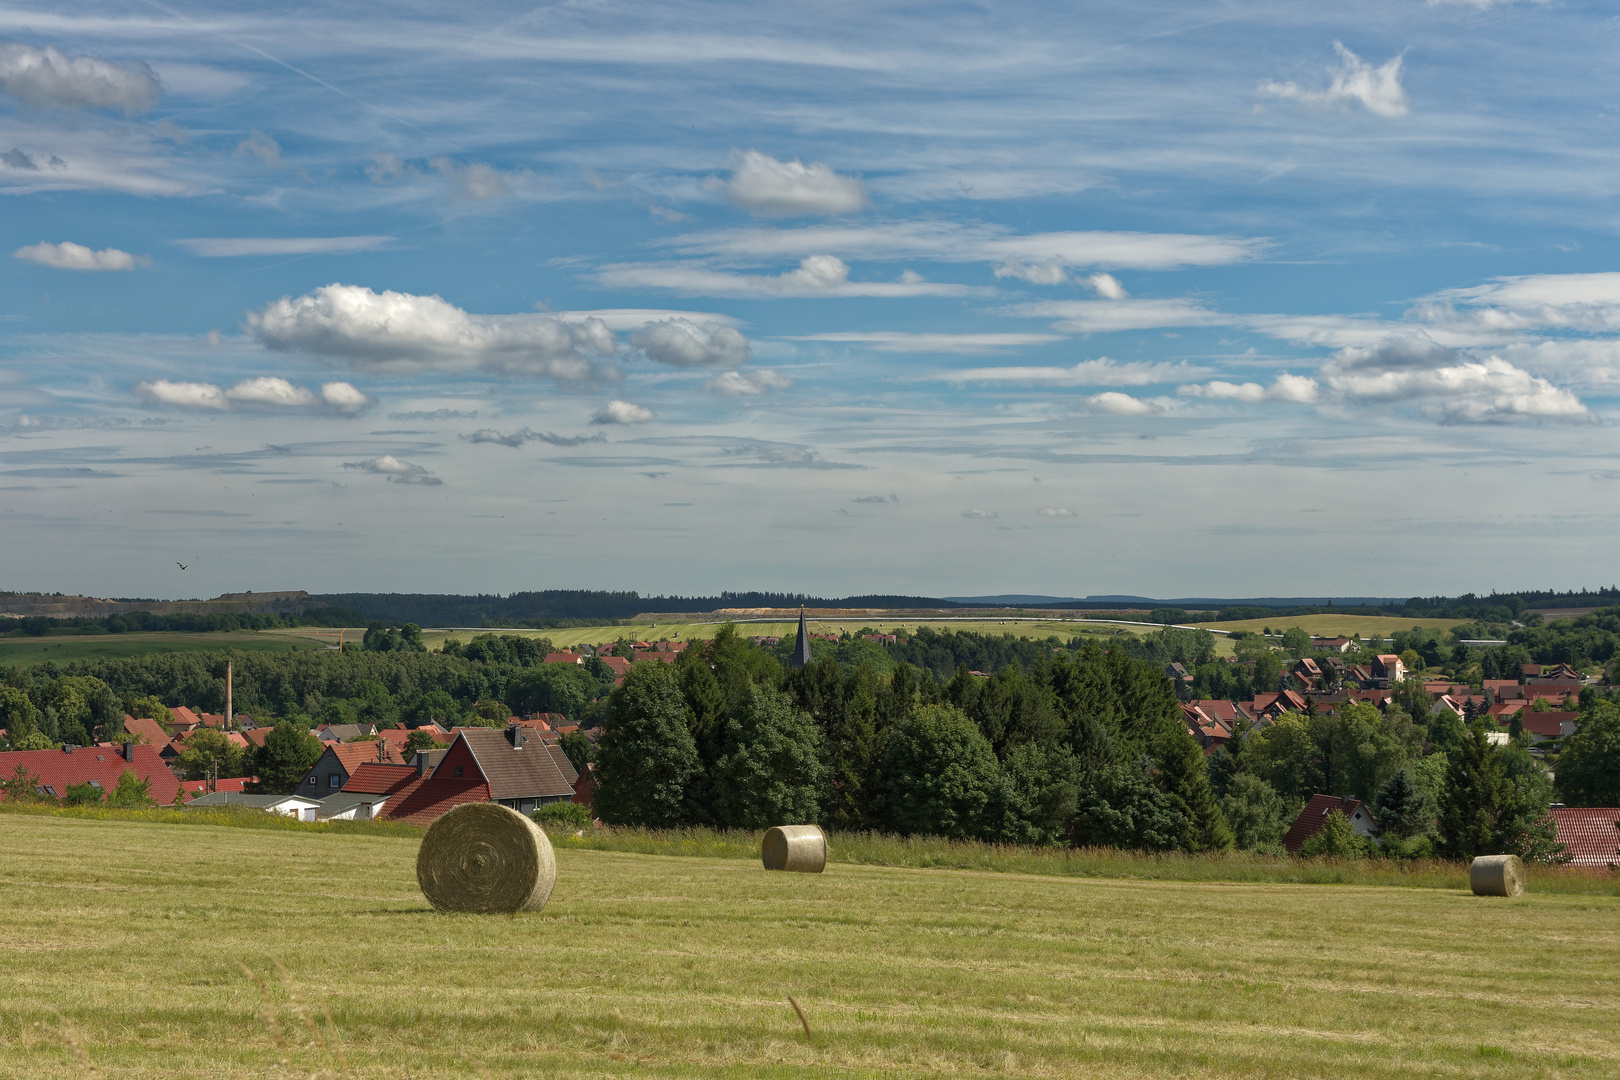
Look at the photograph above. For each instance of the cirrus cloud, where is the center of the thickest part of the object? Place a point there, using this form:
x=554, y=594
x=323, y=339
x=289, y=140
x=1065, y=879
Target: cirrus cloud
x=1354, y=82
x=816, y=275
x=747, y=383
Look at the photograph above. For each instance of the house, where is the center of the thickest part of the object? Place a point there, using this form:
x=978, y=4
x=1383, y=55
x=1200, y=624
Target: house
x=565, y=658
x=183, y=719
x=1270, y=706
x=1331, y=644
x=147, y=731
x=196, y=788
x=1502, y=688
x=1361, y=674
x=1210, y=732
x=350, y=806
x=483, y=765
x=291, y=805
x=1308, y=672
x=1543, y=726
x=1378, y=699
x=344, y=732
x=334, y=767
x=100, y=766
x=1562, y=672
x=585, y=786
x=1388, y=668
x=1590, y=835
x=1228, y=712
x=620, y=665
x=1553, y=691
x=1313, y=819
x=1176, y=672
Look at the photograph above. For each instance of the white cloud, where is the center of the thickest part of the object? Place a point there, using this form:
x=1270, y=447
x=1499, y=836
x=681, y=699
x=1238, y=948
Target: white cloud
x=946, y=241
x=71, y=256
x=1113, y=403
x=228, y=247
x=1589, y=302
x=1293, y=388
x=1056, y=511
x=1448, y=387
x=397, y=471
x=633, y=318
x=1049, y=273
x=267, y=391
x=46, y=78
x=517, y=438
x=185, y=395
x=1107, y=286
x=766, y=186
x=478, y=181
x=1099, y=372
x=1105, y=316
x=622, y=412
x=261, y=146
x=895, y=341
x=747, y=383
x=400, y=332
x=817, y=275
x=1355, y=82
x=683, y=343
x=978, y=514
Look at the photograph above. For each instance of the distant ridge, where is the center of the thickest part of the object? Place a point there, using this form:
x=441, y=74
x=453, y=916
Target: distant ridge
x=1003, y=599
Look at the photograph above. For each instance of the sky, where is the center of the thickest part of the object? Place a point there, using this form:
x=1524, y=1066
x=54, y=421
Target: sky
x=1162, y=298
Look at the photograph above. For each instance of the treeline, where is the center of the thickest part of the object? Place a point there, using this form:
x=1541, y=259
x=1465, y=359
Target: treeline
x=555, y=608
x=144, y=621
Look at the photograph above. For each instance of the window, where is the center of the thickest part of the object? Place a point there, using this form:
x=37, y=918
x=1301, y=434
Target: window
x=313, y=781
x=457, y=772
x=96, y=784
x=334, y=781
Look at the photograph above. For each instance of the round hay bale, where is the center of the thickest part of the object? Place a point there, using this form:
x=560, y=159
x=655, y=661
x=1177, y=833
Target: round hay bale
x=1496, y=875
x=801, y=849
x=486, y=858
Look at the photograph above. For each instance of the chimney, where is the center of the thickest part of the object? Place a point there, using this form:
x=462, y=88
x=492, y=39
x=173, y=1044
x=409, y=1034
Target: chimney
x=129, y=751
x=421, y=762
x=516, y=736
x=230, y=717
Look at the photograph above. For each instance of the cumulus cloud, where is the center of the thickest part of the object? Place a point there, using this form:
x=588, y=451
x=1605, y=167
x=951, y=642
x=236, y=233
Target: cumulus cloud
x=1099, y=372
x=267, y=391
x=1447, y=386
x=896, y=341
x=46, y=79
x=525, y=435
x=816, y=275
x=1295, y=388
x=683, y=343
x=763, y=185
x=747, y=383
x=622, y=412
x=401, y=332
x=397, y=471
x=1589, y=302
x=1056, y=511
x=1113, y=403
x=231, y=246
x=261, y=146
x=71, y=256
x=1354, y=82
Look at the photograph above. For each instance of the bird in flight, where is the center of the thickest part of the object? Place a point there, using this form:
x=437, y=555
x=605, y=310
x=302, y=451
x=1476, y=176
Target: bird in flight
x=181, y=565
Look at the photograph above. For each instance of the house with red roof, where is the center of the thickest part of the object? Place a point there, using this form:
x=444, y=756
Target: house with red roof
x=338, y=762
x=57, y=770
x=147, y=731
x=1313, y=819
x=1388, y=668
x=1211, y=732
x=1590, y=835
x=509, y=767
x=195, y=788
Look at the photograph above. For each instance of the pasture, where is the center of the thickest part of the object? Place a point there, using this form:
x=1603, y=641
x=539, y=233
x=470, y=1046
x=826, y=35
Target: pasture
x=122, y=943
x=1368, y=626
x=23, y=651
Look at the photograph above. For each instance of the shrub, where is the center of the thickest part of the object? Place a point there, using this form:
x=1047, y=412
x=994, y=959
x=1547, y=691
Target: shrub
x=568, y=815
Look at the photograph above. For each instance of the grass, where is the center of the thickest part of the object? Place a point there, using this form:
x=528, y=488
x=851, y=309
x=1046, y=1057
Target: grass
x=1335, y=625
x=123, y=938
x=33, y=650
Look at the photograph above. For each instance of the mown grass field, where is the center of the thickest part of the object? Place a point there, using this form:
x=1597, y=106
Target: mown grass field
x=1335, y=625
x=62, y=648
x=122, y=939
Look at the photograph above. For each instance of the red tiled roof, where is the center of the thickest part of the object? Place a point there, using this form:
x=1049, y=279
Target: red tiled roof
x=1220, y=710
x=148, y=731
x=59, y=769
x=512, y=773
x=426, y=799
x=1547, y=725
x=234, y=783
x=1590, y=835
x=1313, y=819
x=352, y=755
x=376, y=778
x=184, y=716
x=257, y=735
x=564, y=658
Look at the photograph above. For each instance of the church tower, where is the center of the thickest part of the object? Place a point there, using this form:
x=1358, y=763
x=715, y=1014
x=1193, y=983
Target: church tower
x=801, y=645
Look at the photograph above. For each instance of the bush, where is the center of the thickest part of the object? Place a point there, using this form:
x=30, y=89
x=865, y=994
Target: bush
x=1337, y=840
x=567, y=815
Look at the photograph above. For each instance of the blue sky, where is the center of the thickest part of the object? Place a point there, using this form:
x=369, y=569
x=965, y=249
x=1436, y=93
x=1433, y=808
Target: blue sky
x=1160, y=298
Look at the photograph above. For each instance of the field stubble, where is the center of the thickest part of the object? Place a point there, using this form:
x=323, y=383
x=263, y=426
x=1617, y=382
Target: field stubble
x=122, y=942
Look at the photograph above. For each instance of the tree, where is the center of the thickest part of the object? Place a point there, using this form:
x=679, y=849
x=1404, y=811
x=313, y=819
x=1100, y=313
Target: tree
x=1296, y=641
x=554, y=688
x=1402, y=808
x=33, y=740
x=773, y=769
x=1122, y=808
x=85, y=794
x=1040, y=794
x=146, y=707
x=578, y=748
x=209, y=754
x=20, y=717
x=1523, y=826
x=1472, y=799
x=1589, y=767
x=488, y=712
x=1257, y=814
x=288, y=753
x=22, y=786
x=646, y=758
x=1286, y=756
x=1363, y=752
x=374, y=704
x=419, y=741
x=132, y=792
x=940, y=774
x=1337, y=840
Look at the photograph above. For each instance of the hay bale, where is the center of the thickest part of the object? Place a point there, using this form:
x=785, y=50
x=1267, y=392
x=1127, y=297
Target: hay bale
x=798, y=848
x=486, y=858
x=1496, y=875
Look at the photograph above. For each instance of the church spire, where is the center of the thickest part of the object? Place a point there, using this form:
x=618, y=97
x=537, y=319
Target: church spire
x=801, y=645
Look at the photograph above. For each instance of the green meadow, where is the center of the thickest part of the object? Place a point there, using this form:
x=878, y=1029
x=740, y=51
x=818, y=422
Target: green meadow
x=23, y=651
x=143, y=949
